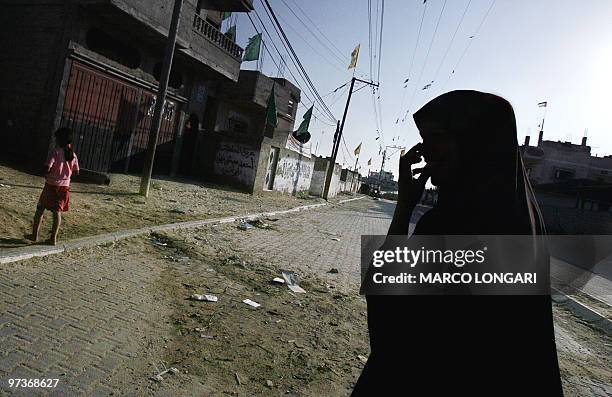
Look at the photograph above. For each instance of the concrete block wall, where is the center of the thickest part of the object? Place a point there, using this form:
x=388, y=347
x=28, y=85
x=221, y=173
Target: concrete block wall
x=293, y=172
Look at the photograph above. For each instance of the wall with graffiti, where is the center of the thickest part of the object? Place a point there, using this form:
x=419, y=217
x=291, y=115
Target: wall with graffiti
x=236, y=163
x=293, y=172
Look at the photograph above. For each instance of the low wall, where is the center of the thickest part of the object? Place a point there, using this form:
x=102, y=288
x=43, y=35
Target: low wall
x=293, y=172
x=318, y=178
x=567, y=220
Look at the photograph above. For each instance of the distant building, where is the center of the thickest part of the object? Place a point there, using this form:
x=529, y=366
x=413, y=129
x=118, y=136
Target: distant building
x=382, y=181
x=551, y=162
x=573, y=187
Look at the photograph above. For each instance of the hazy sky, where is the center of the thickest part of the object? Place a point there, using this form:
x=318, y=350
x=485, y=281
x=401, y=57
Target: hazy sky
x=527, y=51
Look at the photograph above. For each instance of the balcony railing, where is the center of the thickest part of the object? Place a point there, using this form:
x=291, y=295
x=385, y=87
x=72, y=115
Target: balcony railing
x=213, y=34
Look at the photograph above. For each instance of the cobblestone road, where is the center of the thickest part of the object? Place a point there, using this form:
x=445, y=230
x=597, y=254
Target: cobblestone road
x=95, y=319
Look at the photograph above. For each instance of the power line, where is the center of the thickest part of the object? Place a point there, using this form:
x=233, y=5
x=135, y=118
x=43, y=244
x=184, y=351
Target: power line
x=416, y=45
x=452, y=40
x=317, y=28
x=342, y=60
x=310, y=87
x=279, y=29
x=335, y=65
x=433, y=38
x=279, y=53
x=380, y=42
x=470, y=41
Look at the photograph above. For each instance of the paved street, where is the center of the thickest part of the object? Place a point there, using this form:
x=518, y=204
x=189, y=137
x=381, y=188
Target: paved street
x=103, y=320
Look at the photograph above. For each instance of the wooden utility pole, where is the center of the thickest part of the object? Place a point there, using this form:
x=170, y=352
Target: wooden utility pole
x=160, y=100
x=338, y=137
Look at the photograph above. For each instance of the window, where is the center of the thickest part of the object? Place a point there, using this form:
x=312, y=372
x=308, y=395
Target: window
x=604, y=172
x=564, y=174
x=290, y=107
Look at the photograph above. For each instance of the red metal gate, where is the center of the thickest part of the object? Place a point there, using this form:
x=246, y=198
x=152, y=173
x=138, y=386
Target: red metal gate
x=111, y=120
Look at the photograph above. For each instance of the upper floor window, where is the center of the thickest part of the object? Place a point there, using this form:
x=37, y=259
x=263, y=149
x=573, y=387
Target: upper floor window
x=564, y=174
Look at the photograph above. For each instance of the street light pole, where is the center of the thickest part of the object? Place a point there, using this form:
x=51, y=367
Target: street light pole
x=160, y=100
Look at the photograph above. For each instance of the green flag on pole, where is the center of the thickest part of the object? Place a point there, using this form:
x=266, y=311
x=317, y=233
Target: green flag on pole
x=251, y=52
x=271, y=118
x=302, y=134
x=231, y=33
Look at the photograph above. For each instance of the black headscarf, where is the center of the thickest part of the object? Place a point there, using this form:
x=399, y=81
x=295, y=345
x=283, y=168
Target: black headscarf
x=492, y=175
x=472, y=345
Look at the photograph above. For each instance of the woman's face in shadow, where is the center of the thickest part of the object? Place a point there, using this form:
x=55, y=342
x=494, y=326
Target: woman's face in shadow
x=440, y=152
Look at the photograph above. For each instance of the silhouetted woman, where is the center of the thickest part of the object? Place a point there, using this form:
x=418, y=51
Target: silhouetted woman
x=437, y=345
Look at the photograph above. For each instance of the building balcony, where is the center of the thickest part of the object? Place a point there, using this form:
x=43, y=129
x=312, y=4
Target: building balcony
x=211, y=33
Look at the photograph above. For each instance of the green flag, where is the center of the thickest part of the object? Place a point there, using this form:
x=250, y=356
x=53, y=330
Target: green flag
x=251, y=52
x=302, y=134
x=271, y=118
x=231, y=33
x=226, y=15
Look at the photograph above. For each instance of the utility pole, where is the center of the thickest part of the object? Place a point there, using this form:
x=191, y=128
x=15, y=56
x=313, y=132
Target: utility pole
x=160, y=100
x=338, y=137
x=354, y=172
x=382, y=165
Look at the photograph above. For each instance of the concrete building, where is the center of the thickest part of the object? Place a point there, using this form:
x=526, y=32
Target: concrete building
x=350, y=181
x=382, y=181
x=94, y=66
x=551, y=162
x=317, y=183
x=237, y=148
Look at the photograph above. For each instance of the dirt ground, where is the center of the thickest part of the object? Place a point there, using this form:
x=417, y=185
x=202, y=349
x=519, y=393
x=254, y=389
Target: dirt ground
x=96, y=209
x=312, y=344
x=308, y=344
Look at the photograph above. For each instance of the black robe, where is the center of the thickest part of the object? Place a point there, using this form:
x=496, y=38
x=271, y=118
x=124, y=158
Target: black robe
x=493, y=345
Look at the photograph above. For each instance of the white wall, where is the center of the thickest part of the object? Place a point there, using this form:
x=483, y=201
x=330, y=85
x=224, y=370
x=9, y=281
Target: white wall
x=293, y=173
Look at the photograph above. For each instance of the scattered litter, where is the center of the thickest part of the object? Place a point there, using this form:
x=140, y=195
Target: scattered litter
x=3, y=185
x=291, y=281
x=363, y=359
x=204, y=298
x=207, y=336
x=335, y=239
x=157, y=241
x=260, y=224
x=333, y=271
x=251, y=303
x=158, y=377
x=245, y=226
x=237, y=378
x=269, y=383
x=278, y=280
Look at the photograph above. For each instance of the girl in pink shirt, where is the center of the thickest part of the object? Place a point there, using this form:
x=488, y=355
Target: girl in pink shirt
x=55, y=197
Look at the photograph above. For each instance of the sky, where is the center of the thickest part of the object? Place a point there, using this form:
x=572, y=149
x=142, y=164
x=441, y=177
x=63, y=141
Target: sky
x=558, y=51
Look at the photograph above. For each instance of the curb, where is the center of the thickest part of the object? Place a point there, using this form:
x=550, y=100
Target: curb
x=22, y=253
x=591, y=316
